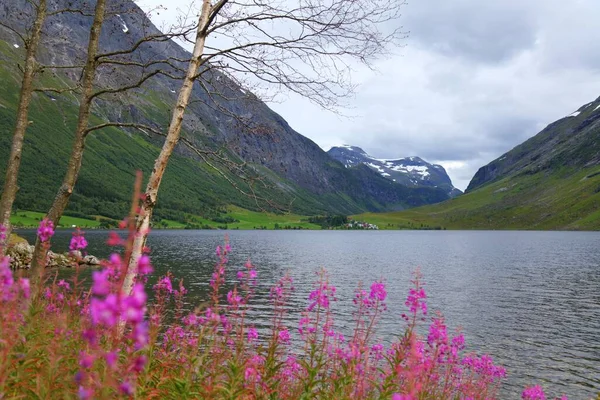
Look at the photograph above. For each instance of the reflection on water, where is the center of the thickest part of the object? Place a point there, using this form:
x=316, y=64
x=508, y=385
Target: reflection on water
x=530, y=299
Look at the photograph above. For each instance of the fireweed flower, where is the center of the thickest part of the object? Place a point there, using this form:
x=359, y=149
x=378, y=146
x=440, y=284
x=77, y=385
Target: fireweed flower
x=105, y=311
x=111, y=358
x=78, y=242
x=84, y=393
x=252, y=334
x=378, y=291
x=45, y=230
x=85, y=360
x=284, y=336
x=164, y=284
x=415, y=301
x=233, y=298
x=101, y=286
x=144, y=266
x=321, y=296
x=126, y=388
x=533, y=393
x=133, y=307
x=25, y=287
x=114, y=239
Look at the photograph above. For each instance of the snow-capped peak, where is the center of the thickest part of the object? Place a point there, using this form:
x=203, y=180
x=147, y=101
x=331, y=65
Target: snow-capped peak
x=407, y=171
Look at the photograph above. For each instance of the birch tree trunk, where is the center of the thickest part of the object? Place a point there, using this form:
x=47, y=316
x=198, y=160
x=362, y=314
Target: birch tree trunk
x=66, y=189
x=173, y=133
x=10, y=189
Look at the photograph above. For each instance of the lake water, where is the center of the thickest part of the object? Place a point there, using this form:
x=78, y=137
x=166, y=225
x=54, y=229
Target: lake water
x=529, y=299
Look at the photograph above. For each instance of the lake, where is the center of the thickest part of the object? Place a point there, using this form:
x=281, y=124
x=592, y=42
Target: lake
x=529, y=299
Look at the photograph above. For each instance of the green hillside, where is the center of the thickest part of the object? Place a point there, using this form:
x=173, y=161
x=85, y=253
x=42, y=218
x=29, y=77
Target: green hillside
x=568, y=199
x=112, y=156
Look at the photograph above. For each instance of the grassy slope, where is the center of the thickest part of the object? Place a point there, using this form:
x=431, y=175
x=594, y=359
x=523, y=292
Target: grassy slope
x=189, y=187
x=247, y=220
x=568, y=199
x=29, y=219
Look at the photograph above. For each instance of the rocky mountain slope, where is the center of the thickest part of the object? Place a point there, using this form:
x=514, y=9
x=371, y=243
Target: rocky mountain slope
x=407, y=171
x=551, y=181
x=570, y=142
x=295, y=171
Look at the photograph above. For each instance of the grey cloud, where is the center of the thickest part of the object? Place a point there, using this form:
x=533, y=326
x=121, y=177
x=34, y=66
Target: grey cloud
x=483, y=31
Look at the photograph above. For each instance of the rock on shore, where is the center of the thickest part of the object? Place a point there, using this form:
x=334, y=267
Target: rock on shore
x=21, y=254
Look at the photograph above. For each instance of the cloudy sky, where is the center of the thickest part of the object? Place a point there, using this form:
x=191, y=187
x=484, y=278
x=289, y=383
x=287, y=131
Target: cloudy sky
x=475, y=78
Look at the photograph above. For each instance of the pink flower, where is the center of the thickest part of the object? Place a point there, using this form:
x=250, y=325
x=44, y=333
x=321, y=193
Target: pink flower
x=378, y=291
x=251, y=375
x=144, y=266
x=233, y=298
x=284, y=336
x=139, y=363
x=111, y=358
x=25, y=287
x=114, y=239
x=321, y=296
x=252, y=334
x=415, y=301
x=105, y=311
x=533, y=393
x=140, y=335
x=164, y=284
x=64, y=284
x=126, y=388
x=85, y=360
x=45, y=230
x=398, y=396
x=101, y=286
x=84, y=393
x=78, y=242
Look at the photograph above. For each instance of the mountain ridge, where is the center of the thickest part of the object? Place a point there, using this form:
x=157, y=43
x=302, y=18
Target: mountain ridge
x=410, y=171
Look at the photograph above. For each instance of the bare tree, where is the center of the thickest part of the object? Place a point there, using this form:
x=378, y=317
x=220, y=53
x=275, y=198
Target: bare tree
x=303, y=46
x=90, y=91
x=30, y=67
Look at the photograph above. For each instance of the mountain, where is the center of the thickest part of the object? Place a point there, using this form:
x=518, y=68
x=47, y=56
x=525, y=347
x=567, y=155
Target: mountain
x=551, y=181
x=572, y=141
x=288, y=169
x=407, y=171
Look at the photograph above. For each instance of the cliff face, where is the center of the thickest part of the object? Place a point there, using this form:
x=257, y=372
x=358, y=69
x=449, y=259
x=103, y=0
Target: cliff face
x=231, y=119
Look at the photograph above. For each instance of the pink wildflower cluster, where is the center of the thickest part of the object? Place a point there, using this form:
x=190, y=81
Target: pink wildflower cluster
x=536, y=393
x=321, y=296
x=78, y=241
x=113, y=313
x=45, y=230
x=415, y=300
x=11, y=291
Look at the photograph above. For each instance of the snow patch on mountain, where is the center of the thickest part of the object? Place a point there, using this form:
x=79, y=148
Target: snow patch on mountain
x=407, y=171
x=125, y=28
